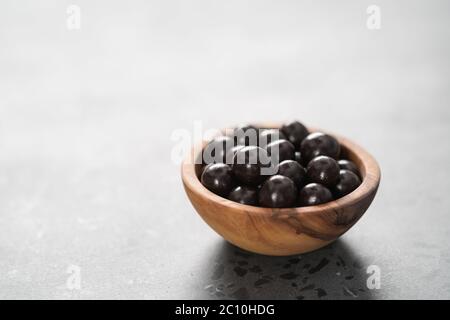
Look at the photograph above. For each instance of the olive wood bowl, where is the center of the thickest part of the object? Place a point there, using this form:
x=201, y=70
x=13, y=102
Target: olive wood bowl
x=287, y=231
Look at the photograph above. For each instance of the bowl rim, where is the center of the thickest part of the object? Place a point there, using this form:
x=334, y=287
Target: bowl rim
x=370, y=172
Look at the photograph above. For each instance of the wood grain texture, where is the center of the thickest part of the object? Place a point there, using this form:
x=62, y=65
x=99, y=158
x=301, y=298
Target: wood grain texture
x=282, y=232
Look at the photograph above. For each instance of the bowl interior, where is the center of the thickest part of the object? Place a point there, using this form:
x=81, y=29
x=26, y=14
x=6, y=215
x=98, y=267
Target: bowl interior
x=349, y=151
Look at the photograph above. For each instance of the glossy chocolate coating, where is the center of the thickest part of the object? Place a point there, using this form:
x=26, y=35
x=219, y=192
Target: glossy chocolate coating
x=319, y=144
x=247, y=165
x=246, y=135
x=313, y=194
x=298, y=157
x=323, y=170
x=294, y=171
x=244, y=195
x=217, y=177
x=278, y=192
x=286, y=151
x=349, y=165
x=267, y=136
x=295, y=132
x=348, y=181
x=216, y=150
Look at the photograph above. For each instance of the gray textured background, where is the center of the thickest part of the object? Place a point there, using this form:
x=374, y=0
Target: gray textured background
x=86, y=118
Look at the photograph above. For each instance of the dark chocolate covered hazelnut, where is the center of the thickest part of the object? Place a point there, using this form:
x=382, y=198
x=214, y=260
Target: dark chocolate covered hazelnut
x=248, y=163
x=217, y=177
x=349, y=165
x=319, y=144
x=244, y=195
x=294, y=171
x=348, y=182
x=295, y=132
x=280, y=150
x=314, y=194
x=278, y=192
x=323, y=170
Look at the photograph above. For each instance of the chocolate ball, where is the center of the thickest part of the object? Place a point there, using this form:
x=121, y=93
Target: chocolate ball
x=295, y=132
x=323, y=170
x=319, y=144
x=280, y=150
x=298, y=157
x=248, y=163
x=217, y=177
x=313, y=194
x=348, y=181
x=294, y=171
x=244, y=195
x=349, y=165
x=278, y=192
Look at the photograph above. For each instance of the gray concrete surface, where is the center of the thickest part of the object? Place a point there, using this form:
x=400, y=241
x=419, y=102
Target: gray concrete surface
x=86, y=117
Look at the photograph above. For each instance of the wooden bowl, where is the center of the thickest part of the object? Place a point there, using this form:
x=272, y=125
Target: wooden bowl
x=282, y=232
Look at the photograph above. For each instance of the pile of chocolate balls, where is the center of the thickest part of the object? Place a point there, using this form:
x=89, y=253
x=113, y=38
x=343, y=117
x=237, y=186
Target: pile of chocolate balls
x=277, y=168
